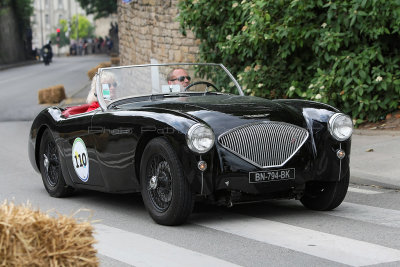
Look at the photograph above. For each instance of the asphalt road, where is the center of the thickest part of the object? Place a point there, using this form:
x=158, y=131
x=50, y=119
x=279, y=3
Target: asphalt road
x=19, y=86
x=363, y=231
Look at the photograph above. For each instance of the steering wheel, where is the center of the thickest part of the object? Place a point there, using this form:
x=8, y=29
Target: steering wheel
x=202, y=82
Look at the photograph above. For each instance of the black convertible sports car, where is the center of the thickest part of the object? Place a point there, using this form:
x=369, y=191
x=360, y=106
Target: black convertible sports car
x=184, y=132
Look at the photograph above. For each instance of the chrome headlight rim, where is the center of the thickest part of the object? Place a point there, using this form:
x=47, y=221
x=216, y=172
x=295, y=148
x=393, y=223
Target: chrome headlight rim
x=331, y=126
x=191, y=132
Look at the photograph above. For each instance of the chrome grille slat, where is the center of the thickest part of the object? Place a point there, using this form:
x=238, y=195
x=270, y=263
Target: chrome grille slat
x=265, y=144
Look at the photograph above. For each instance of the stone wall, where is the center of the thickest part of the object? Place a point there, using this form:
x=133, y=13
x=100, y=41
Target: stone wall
x=11, y=43
x=148, y=30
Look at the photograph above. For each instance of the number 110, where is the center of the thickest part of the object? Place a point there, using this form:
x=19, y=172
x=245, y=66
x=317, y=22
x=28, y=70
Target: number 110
x=82, y=161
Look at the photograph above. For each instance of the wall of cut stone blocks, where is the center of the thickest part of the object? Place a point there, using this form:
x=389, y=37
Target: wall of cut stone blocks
x=11, y=42
x=148, y=29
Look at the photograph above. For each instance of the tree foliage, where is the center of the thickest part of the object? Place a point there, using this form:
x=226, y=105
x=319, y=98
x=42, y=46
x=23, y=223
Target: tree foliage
x=85, y=30
x=100, y=8
x=344, y=53
x=62, y=41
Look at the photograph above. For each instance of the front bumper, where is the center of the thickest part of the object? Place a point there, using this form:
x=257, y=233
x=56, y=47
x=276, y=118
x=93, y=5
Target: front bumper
x=232, y=173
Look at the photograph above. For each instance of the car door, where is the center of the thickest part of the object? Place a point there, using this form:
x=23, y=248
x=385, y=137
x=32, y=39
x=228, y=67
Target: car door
x=115, y=139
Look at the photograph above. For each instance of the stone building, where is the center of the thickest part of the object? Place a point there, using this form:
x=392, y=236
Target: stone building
x=149, y=32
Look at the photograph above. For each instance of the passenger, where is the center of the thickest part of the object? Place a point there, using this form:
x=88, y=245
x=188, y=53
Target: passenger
x=179, y=76
x=106, y=78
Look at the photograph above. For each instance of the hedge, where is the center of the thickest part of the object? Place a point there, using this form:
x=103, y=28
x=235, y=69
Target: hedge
x=344, y=53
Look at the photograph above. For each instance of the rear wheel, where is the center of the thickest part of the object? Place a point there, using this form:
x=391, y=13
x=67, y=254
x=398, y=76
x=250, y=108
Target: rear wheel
x=165, y=191
x=325, y=195
x=50, y=168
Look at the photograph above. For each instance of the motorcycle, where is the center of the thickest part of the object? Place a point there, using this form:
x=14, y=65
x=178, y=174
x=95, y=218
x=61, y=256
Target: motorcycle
x=46, y=54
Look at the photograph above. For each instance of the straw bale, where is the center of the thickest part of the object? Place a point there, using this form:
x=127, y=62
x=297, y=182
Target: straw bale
x=51, y=95
x=31, y=238
x=115, y=60
x=93, y=70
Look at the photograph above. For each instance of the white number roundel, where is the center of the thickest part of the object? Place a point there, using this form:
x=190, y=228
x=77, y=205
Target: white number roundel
x=80, y=159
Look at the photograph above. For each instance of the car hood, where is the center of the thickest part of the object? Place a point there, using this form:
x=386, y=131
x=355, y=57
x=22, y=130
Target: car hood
x=224, y=112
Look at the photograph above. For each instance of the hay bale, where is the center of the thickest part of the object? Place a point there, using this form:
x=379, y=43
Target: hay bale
x=115, y=60
x=93, y=71
x=51, y=95
x=32, y=238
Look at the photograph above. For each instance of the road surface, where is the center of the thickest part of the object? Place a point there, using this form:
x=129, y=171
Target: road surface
x=363, y=231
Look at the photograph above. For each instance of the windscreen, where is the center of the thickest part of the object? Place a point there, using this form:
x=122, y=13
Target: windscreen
x=145, y=80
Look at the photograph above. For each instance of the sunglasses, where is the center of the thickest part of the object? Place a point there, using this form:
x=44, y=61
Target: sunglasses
x=181, y=78
x=112, y=84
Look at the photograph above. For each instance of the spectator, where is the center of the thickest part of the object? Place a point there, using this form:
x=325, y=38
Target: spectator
x=107, y=79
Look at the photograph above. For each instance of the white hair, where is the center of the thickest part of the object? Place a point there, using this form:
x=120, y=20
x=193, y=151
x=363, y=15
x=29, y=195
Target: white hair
x=91, y=96
x=105, y=76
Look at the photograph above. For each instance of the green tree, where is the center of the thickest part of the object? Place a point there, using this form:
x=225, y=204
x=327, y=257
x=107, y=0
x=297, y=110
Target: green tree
x=100, y=8
x=85, y=28
x=344, y=53
x=63, y=39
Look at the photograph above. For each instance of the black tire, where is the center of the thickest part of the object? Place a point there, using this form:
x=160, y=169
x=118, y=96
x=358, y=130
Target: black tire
x=165, y=191
x=325, y=195
x=50, y=167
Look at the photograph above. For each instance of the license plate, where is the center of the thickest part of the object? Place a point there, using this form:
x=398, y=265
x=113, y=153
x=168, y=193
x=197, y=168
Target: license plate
x=272, y=176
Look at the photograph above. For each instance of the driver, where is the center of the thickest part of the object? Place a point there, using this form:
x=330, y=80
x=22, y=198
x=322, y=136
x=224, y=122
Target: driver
x=179, y=76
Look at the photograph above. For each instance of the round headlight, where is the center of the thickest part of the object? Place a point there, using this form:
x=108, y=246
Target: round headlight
x=200, y=138
x=340, y=126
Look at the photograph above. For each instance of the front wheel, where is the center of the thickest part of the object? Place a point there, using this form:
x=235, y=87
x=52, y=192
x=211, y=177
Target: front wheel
x=50, y=168
x=325, y=195
x=165, y=191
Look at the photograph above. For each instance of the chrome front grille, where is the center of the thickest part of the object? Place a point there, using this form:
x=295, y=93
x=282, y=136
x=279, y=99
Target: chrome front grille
x=265, y=144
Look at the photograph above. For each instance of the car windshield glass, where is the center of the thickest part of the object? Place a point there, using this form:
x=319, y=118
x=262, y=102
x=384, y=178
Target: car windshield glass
x=118, y=83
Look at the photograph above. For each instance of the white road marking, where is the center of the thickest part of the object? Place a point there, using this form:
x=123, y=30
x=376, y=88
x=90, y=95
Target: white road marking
x=139, y=250
x=331, y=247
x=363, y=191
x=380, y=216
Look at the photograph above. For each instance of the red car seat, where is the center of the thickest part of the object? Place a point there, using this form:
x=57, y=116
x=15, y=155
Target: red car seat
x=75, y=110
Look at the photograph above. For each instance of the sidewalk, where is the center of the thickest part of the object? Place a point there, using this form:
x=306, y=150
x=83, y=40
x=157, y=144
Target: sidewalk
x=375, y=158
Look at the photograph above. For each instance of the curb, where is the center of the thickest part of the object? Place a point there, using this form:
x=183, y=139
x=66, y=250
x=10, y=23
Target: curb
x=373, y=181
x=19, y=64
x=376, y=132
x=73, y=100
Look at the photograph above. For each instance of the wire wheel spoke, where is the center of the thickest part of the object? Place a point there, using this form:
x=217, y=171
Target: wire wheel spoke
x=52, y=164
x=159, y=183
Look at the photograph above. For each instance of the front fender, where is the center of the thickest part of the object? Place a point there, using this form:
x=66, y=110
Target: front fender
x=46, y=119
x=327, y=166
